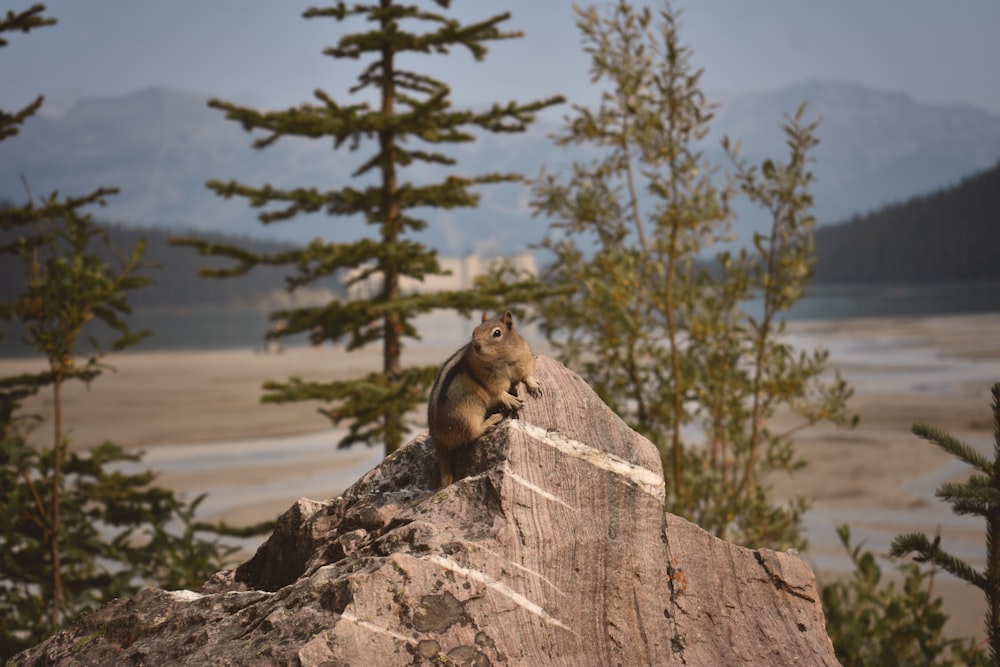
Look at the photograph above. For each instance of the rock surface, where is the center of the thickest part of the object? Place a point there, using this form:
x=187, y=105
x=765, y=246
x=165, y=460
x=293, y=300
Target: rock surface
x=552, y=549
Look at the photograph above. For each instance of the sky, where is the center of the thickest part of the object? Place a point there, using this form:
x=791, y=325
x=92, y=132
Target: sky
x=262, y=51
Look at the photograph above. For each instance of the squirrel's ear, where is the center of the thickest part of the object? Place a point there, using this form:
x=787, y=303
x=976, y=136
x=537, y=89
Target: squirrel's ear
x=508, y=320
x=486, y=316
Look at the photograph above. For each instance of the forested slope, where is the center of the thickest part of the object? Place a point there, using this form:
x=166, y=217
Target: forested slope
x=176, y=271
x=950, y=235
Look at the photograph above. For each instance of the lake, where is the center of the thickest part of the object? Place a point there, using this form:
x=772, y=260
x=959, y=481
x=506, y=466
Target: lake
x=233, y=327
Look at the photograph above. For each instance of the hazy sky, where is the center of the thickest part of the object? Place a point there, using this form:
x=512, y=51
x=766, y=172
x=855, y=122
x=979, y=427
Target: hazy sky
x=262, y=50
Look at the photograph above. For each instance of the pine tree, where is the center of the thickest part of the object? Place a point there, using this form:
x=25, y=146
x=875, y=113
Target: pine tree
x=13, y=390
x=409, y=122
x=74, y=531
x=23, y=239
x=979, y=495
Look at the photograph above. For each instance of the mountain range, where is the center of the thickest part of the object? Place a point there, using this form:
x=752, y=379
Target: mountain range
x=159, y=146
x=876, y=147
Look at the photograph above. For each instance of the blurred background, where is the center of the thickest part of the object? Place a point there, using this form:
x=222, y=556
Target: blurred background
x=906, y=170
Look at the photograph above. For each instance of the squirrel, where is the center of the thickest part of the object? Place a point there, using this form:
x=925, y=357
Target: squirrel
x=474, y=390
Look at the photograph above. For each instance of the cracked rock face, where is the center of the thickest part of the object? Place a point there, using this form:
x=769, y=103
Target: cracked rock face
x=551, y=548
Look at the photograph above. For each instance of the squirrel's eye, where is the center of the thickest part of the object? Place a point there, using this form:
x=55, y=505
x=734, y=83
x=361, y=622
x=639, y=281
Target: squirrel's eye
x=497, y=333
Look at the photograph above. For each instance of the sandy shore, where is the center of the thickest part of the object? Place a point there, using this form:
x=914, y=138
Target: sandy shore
x=198, y=417
x=879, y=478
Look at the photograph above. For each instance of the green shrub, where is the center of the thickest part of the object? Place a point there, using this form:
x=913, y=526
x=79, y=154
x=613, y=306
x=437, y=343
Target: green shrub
x=876, y=622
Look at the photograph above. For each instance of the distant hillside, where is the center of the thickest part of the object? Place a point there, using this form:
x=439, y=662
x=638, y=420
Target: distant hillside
x=177, y=282
x=159, y=146
x=876, y=147
x=950, y=235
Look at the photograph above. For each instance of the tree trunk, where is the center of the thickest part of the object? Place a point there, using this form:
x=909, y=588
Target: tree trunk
x=55, y=528
x=392, y=322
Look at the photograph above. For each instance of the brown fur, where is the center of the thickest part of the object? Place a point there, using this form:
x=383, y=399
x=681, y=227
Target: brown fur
x=473, y=390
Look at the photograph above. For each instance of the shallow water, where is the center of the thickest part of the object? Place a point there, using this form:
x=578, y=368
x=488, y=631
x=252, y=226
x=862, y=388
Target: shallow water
x=266, y=473
x=886, y=365
x=271, y=473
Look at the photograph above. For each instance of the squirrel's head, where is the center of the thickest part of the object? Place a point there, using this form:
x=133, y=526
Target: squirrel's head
x=493, y=333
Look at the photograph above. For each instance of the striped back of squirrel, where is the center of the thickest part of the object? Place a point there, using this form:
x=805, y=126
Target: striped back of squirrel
x=457, y=364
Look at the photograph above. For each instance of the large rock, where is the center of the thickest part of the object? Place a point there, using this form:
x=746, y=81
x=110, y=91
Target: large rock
x=553, y=549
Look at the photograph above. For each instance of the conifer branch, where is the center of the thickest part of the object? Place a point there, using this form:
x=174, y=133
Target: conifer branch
x=362, y=401
x=35, y=380
x=927, y=551
x=10, y=123
x=973, y=496
x=25, y=21
x=51, y=207
x=954, y=446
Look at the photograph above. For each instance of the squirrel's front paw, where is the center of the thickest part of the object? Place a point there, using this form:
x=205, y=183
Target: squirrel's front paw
x=533, y=387
x=511, y=402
